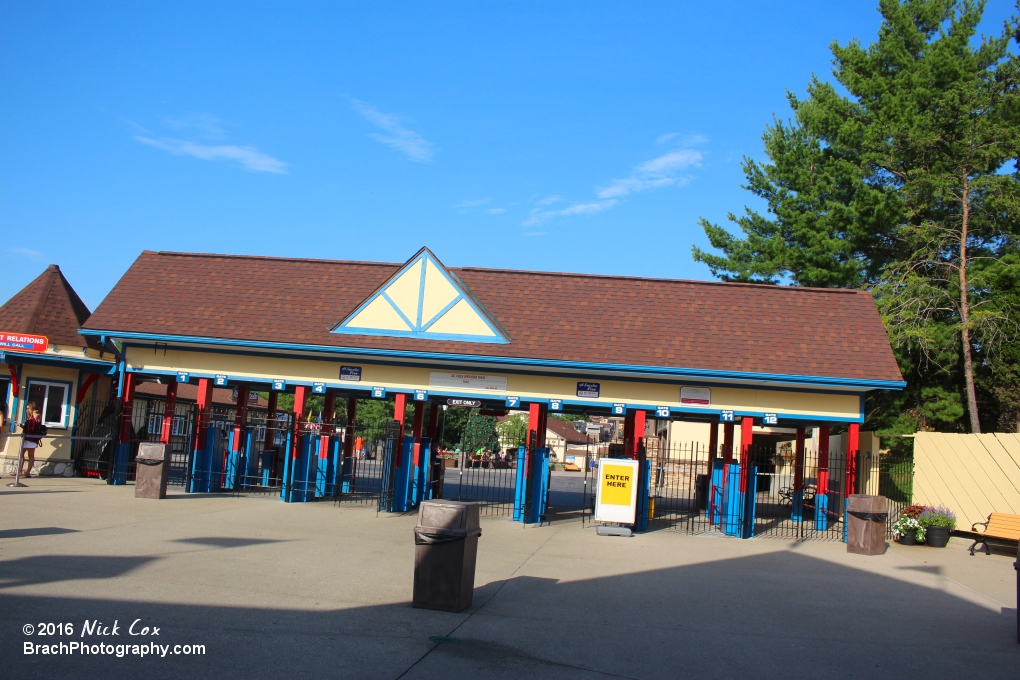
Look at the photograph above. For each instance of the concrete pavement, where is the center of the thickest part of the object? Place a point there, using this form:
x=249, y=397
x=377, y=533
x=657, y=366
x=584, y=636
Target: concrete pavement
x=274, y=589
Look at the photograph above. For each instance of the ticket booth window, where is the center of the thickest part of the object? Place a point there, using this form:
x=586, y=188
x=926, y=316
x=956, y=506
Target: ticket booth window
x=52, y=400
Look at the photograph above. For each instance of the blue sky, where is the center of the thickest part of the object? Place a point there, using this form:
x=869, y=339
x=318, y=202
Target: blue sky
x=562, y=136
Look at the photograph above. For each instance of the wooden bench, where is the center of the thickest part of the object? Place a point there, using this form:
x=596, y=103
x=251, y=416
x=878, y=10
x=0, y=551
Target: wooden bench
x=1001, y=526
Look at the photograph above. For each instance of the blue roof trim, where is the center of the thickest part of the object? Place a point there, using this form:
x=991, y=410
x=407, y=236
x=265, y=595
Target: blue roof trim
x=785, y=419
x=514, y=361
x=418, y=327
x=82, y=363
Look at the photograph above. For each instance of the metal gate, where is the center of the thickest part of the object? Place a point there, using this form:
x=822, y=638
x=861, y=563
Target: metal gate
x=776, y=496
x=486, y=477
x=95, y=431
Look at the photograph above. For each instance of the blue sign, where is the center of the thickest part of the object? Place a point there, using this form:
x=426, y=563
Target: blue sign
x=588, y=389
x=221, y=380
x=421, y=395
x=662, y=412
x=513, y=402
x=555, y=405
x=318, y=388
x=726, y=416
x=350, y=373
x=279, y=384
x=619, y=409
x=378, y=392
x=770, y=419
x=182, y=376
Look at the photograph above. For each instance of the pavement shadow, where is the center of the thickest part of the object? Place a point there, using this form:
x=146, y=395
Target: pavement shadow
x=779, y=614
x=42, y=569
x=36, y=531
x=226, y=541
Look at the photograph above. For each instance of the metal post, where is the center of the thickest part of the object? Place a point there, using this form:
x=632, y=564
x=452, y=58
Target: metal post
x=169, y=410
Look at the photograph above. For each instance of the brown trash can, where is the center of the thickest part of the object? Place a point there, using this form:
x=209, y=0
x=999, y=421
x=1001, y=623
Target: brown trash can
x=867, y=517
x=152, y=470
x=445, y=546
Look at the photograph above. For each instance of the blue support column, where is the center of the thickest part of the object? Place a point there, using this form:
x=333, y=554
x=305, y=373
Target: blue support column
x=539, y=485
x=643, y=492
x=287, y=481
x=733, y=501
x=715, y=493
x=520, y=487
x=423, y=491
x=821, y=511
x=750, y=503
x=121, y=456
x=233, y=468
x=249, y=465
x=797, y=515
x=329, y=467
x=403, y=482
x=214, y=445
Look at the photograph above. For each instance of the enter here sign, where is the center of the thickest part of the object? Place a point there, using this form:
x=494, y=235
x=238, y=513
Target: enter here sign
x=616, y=494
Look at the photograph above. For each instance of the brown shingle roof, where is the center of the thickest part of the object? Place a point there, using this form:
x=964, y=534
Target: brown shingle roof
x=585, y=318
x=566, y=430
x=48, y=306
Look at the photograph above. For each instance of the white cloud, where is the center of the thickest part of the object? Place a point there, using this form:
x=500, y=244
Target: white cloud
x=654, y=174
x=30, y=254
x=549, y=200
x=539, y=216
x=206, y=124
x=496, y=211
x=661, y=171
x=247, y=157
x=408, y=142
x=471, y=203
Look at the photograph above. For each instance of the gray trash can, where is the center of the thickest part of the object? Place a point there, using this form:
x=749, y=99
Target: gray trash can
x=867, y=517
x=152, y=470
x=445, y=546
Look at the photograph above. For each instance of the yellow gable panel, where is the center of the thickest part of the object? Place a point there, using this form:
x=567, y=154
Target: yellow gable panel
x=379, y=315
x=461, y=320
x=404, y=291
x=439, y=292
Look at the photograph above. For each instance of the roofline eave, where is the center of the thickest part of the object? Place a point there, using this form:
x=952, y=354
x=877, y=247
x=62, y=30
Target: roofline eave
x=786, y=380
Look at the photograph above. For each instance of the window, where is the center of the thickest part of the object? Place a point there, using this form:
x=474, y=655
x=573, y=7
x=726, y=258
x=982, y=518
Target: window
x=52, y=398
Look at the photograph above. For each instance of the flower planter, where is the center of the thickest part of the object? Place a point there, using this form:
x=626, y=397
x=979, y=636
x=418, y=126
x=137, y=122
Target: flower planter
x=908, y=537
x=936, y=537
x=450, y=462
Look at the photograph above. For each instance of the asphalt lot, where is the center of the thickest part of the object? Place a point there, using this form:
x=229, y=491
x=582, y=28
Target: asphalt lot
x=290, y=590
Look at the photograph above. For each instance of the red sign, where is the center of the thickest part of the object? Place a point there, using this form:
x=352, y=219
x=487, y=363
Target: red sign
x=20, y=342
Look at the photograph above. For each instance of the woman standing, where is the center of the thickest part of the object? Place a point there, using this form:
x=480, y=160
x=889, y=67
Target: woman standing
x=33, y=432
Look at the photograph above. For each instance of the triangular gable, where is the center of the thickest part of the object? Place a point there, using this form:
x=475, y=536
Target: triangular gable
x=423, y=300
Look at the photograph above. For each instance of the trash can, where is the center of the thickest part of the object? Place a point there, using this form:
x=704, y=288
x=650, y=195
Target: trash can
x=445, y=546
x=152, y=470
x=866, y=518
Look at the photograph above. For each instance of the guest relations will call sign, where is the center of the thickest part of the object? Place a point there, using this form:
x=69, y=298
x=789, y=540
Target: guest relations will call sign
x=616, y=493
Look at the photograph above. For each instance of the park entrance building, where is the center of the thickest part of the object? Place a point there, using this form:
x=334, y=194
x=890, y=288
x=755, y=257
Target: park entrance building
x=740, y=360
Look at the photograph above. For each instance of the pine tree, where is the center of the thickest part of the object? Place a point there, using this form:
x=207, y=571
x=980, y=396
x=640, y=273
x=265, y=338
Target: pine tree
x=900, y=188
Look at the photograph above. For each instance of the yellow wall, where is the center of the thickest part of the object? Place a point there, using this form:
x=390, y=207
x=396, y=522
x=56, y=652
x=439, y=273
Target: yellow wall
x=49, y=449
x=974, y=475
x=402, y=378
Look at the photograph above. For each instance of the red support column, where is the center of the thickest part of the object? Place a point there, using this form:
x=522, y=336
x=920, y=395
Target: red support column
x=798, y=461
x=300, y=399
x=126, y=408
x=727, y=444
x=350, y=432
x=853, y=438
x=328, y=415
x=746, y=437
x=823, y=461
x=399, y=412
x=204, y=401
x=169, y=409
x=534, y=424
x=713, y=441
x=240, y=416
x=416, y=430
